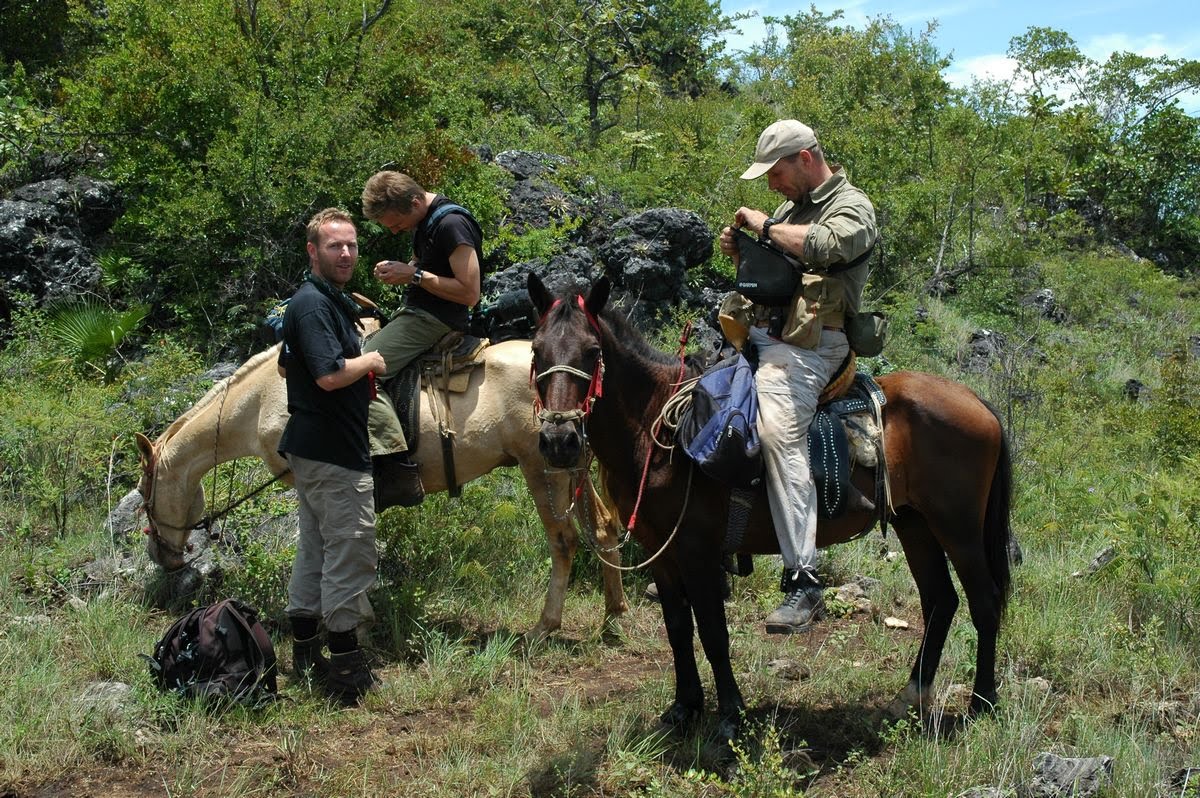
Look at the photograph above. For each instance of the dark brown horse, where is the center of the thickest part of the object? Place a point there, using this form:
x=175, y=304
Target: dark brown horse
x=603, y=386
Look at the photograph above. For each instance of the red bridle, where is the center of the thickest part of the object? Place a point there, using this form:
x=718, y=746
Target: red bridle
x=595, y=379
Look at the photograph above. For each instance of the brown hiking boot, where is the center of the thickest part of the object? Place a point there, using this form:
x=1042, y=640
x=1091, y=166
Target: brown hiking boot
x=397, y=482
x=308, y=663
x=349, y=677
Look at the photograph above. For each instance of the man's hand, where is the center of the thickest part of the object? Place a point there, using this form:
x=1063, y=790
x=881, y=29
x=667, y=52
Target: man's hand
x=728, y=246
x=395, y=272
x=374, y=362
x=748, y=217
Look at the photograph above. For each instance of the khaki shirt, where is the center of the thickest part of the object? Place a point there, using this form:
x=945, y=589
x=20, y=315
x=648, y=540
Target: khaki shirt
x=842, y=229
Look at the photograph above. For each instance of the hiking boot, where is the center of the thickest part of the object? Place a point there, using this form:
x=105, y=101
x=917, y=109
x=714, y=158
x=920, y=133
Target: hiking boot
x=803, y=605
x=397, y=482
x=349, y=677
x=308, y=663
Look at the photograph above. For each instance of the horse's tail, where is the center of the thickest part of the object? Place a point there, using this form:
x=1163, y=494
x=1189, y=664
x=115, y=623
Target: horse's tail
x=997, y=530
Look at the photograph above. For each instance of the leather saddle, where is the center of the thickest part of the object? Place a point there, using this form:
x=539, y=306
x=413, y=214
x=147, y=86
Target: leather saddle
x=446, y=366
x=847, y=430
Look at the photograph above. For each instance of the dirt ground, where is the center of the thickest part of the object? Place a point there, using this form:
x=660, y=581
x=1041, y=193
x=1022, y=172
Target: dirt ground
x=400, y=743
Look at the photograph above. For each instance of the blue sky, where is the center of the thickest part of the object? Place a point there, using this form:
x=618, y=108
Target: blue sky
x=976, y=33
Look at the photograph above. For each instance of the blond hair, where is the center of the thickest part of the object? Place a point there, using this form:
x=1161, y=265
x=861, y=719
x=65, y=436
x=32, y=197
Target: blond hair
x=321, y=218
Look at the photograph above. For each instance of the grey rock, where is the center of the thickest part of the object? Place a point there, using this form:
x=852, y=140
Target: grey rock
x=47, y=233
x=789, y=670
x=1047, y=305
x=984, y=348
x=113, y=701
x=524, y=164
x=1102, y=558
x=1137, y=391
x=125, y=518
x=1066, y=777
x=1184, y=783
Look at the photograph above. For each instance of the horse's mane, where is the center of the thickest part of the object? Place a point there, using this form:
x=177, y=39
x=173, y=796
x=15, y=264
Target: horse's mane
x=220, y=387
x=621, y=330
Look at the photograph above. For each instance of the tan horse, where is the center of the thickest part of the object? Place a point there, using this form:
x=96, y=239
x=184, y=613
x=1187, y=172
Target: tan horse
x=244, y=415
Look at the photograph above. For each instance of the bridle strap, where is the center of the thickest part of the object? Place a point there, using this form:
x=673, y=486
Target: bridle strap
x=595, y=379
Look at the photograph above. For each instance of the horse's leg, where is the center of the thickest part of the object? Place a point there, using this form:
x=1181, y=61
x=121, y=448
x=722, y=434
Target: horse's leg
x=677, y=617
x=704, y=580
x=939, y=601
x=984, y=602
x=550, y=492
x=606, y=522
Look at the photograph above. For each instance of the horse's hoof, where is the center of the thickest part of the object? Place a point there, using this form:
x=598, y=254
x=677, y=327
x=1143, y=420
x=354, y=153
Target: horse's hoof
x=899, y=709
x=533, y=638
x=982, y=705
x=728, y=729
x=679, y=717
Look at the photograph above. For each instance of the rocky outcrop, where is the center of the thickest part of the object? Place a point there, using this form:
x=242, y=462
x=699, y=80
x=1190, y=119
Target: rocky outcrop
x=48, y=237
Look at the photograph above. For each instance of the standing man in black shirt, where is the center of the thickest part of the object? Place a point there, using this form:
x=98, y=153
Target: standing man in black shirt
x=329, y=385
x=444, y=281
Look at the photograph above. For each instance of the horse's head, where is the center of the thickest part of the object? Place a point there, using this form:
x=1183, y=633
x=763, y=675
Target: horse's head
x=568, y=367
x=166, y=543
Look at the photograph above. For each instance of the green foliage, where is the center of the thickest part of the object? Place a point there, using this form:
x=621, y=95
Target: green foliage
x=1157, y=532
x=760, y=771
x=89, y=333
x=1176, y=413
x=536, y=243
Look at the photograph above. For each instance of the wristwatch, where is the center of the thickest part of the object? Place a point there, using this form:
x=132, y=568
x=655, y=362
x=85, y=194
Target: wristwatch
x=417, y=276
x=766, y=233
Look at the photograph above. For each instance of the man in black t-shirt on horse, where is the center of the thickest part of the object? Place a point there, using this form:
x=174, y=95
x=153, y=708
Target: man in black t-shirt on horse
x=444, y=280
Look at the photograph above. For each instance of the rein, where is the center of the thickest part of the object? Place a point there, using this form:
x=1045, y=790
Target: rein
x=204, y=523
x=683, y=339
x=594, y=544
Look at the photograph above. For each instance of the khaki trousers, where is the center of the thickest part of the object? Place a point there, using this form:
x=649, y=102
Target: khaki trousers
x=788, y=382
x=409, y=334
x=336, y=558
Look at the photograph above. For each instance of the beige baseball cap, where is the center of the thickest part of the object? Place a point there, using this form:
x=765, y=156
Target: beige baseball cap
x=781, y=139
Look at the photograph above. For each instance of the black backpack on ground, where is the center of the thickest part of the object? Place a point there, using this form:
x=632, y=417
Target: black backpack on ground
x=218, y=651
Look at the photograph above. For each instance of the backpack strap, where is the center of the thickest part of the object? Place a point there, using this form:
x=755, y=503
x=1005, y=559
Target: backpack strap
x=430, y=223
x=854, y=264
x=260, y=652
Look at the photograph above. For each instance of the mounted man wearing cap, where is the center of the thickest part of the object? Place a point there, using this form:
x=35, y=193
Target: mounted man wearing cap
x=829, y=226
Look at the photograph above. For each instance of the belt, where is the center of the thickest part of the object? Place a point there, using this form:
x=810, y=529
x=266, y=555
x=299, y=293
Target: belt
x=833, y=329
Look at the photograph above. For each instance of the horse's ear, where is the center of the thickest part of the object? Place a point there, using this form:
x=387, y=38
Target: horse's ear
x=598, y=296
x=145, y=449
x=538, y=294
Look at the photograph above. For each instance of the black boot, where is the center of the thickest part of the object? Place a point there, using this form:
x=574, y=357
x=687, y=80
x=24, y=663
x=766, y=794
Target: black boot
x=803, y=605
x=349, y=677
x=397, y=481
x=308, y=663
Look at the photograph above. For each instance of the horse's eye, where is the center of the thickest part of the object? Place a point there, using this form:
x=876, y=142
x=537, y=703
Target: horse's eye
x=592, y=352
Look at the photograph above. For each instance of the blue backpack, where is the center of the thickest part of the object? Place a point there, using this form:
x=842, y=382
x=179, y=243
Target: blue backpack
x=719, y=429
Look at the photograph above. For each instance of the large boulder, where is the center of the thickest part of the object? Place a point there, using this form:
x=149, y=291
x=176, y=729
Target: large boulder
x=649, y=253
x=48, y=234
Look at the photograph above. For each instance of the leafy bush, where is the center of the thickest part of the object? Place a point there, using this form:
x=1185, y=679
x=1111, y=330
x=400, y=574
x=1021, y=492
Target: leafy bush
x=90, y=333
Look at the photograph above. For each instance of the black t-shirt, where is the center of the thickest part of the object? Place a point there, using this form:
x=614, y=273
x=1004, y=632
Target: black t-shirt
x=327, y=426
x=433, y=255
